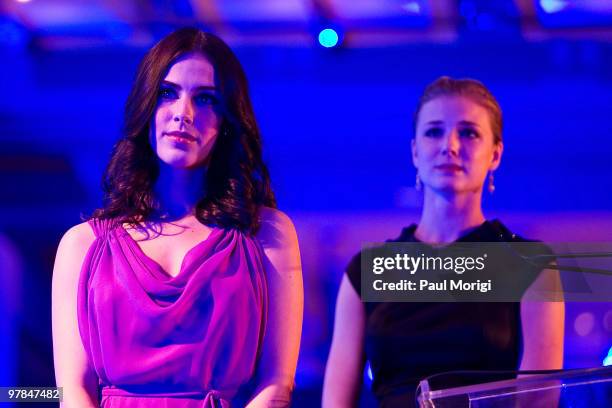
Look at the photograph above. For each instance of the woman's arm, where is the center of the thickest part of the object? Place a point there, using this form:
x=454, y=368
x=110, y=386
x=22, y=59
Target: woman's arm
x=346, y=358
x=285, y=309
x=72, y=369
x=543, y=320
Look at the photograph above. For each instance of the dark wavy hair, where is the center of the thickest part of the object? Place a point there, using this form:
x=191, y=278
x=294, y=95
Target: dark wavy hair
x=237, y=182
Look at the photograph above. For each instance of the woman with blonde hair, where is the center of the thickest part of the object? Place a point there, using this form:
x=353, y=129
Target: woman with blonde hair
x=456, y=148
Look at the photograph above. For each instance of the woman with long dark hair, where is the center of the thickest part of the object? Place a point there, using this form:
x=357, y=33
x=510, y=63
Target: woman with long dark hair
x=184, y=289
x=457, y=146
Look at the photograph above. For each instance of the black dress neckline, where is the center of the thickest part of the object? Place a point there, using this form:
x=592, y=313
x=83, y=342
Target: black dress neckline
x=488, y=231
x=408, y=341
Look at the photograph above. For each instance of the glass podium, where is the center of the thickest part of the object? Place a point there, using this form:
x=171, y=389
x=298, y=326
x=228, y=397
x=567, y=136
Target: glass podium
x=591, y=387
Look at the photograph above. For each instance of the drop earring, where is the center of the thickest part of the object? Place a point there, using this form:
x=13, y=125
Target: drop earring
x=418, y=185
x=491, y=186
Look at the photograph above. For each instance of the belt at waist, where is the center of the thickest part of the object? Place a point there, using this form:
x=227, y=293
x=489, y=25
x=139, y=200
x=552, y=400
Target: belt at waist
x=211, y=398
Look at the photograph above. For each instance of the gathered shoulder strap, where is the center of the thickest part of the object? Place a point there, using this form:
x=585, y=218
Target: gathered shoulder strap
x=101, y=227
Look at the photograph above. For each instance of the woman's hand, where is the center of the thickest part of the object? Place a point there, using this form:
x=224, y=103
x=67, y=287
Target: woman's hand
x=272, y=396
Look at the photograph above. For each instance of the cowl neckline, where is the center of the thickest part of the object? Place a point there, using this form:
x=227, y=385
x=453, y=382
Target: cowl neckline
x=200, y=332
x=201, y=248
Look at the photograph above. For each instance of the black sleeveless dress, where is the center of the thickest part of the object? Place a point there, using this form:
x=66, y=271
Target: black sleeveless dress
x=406, y=342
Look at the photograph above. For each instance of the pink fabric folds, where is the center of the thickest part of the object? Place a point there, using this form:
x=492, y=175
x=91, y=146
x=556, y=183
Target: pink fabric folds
x=187, y=341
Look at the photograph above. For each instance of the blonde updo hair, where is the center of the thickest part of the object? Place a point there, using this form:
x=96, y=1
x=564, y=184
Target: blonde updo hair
x=469, y=88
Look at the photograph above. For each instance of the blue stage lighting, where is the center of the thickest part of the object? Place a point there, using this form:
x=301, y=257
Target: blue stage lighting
x=11, y=33
x=553, y=6
x=608, y=360
x=328, y=38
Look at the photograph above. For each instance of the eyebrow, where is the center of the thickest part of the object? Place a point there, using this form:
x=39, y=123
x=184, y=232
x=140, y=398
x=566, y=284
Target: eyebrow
x=468, y=123
x=461, y=122
x=198, y=88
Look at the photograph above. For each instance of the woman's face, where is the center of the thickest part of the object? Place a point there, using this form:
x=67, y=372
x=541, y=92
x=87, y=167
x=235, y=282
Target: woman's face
x=454, y=146
x=186, y=121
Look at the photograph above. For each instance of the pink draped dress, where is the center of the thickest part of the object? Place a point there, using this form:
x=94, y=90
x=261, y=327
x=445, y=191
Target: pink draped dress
x=178, y=342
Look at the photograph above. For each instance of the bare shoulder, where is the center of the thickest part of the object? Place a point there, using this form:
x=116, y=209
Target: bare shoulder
x=74, y=245
x=78, y=235
x=275, y=228
x=274, y=217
